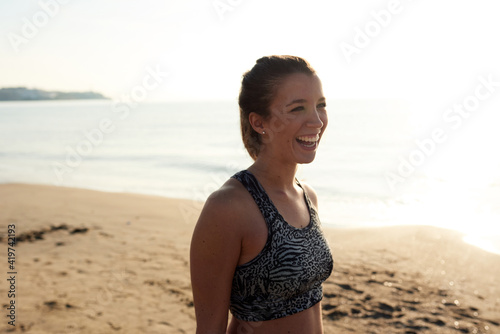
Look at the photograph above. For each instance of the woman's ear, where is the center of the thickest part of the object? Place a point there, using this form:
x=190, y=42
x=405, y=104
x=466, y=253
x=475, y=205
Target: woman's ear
x=256, y=121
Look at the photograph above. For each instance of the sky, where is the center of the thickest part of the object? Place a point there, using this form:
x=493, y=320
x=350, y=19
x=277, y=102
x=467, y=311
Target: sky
x=421, y=49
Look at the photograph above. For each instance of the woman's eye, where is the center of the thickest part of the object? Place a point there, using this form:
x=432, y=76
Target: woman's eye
x=321, y=106
x=297, y=108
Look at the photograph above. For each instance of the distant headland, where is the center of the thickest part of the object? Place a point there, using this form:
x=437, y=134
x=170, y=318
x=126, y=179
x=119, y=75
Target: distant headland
x=26, y=94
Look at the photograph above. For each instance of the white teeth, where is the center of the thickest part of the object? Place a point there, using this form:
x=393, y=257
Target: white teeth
x=309, y=139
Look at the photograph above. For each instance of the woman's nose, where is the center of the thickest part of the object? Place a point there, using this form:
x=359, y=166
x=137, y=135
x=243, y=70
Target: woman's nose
x=315, y=120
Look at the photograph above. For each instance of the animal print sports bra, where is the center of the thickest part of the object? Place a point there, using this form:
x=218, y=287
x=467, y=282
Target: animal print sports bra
x=286, y=276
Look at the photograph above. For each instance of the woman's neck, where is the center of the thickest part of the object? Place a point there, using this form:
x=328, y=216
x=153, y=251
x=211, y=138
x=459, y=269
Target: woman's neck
x=273, y=174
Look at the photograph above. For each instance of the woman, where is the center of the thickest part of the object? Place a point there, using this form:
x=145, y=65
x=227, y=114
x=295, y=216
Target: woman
x=257, y=249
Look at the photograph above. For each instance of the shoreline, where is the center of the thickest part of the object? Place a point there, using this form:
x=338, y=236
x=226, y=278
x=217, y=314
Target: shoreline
x=192, y=204
x=92, y=261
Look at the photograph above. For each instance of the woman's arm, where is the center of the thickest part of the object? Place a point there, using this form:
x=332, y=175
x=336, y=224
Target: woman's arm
x=215, y=250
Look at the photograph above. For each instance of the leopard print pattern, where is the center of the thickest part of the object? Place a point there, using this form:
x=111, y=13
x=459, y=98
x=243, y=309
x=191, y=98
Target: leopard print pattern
x=286, y=276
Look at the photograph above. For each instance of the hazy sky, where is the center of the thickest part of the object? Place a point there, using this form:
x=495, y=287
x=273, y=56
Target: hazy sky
x=423, y=49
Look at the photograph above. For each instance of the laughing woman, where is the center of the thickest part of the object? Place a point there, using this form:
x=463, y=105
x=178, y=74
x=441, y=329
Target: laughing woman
x=257, y=249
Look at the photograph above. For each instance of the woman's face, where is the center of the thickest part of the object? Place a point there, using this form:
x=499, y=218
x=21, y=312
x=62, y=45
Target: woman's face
x=298, y=120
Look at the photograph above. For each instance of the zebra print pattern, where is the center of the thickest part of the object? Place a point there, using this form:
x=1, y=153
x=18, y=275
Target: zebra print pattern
x=286, y=276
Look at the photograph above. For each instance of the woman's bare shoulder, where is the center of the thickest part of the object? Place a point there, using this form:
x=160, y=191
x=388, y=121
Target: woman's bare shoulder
x=227, y=204
x=311, y=193
x=230, y=195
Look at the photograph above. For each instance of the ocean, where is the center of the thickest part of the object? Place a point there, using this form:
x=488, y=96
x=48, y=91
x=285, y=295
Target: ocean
x=375, y=165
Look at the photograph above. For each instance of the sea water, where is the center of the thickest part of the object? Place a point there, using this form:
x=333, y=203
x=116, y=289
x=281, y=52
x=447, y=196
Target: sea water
x=188, y=149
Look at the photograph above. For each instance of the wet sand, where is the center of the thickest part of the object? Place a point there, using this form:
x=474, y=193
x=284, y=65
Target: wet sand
x=97, y=262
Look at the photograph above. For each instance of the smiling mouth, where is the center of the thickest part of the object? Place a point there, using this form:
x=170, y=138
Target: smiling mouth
x=308, y=141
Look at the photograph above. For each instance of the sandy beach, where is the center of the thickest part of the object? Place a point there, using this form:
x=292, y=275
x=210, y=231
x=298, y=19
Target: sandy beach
x=97, y=262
